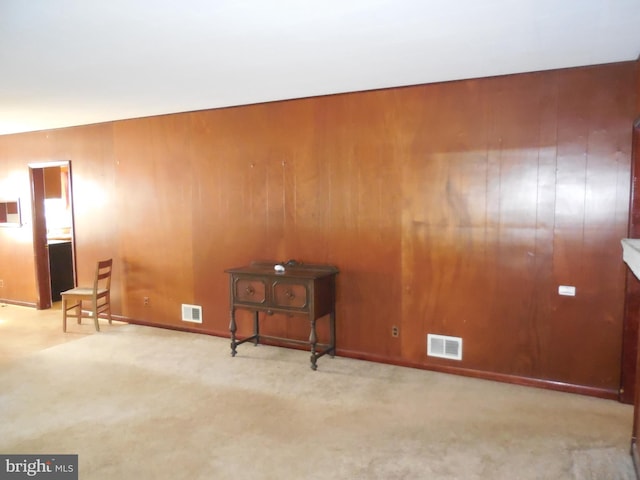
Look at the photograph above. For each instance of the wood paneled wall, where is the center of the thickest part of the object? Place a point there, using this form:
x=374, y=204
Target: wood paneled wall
x=454, y=208
x=632, y=298
x=638, y=84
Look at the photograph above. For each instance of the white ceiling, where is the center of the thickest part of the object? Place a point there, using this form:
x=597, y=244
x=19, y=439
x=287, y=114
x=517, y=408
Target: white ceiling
x=75, y=62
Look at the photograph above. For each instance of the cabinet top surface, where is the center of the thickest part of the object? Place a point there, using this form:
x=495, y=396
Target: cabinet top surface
x=295, y=271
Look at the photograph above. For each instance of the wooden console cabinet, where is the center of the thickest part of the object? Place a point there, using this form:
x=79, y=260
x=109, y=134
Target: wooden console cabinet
x=301, y=289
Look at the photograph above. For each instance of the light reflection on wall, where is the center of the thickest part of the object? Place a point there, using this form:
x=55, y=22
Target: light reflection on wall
x=58, y=215
x=513, y=189
x=15, y=185
x=87, y=196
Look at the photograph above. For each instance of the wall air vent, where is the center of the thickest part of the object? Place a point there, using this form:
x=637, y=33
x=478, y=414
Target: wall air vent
x=444, y=347
x=191, y=313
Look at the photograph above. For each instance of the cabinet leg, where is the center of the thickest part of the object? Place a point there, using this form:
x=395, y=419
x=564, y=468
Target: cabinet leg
x=313, y=339
x=232, y=329
x=256, y=328
x=332, y=328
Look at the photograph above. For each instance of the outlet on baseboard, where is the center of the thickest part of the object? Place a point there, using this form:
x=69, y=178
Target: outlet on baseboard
x=1, y=283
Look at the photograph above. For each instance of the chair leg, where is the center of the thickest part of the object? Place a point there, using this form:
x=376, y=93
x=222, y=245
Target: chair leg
x=95, y=317
x=79, y=311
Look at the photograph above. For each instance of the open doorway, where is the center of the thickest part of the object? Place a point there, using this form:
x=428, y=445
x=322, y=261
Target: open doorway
x=53, y=241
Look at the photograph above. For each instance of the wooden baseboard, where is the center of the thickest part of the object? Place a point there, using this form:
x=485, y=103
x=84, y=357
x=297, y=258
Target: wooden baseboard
x=497, y=377
x=18, y=303
x=179, y=328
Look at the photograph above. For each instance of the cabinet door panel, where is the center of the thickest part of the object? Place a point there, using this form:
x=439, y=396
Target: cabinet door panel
x=250, y=290
x=290, y=295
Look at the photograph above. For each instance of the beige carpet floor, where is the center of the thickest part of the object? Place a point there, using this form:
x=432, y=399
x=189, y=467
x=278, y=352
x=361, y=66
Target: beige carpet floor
x=144, y=403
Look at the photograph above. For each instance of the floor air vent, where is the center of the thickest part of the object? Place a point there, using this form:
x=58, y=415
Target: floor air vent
x=191, y=313
x=444, y=347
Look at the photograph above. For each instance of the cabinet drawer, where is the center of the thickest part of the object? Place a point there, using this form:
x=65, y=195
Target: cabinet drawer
x=290, y=295
x=250, y=290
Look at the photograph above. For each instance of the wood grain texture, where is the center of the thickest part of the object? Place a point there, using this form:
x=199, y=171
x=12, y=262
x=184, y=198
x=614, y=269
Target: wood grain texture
x=631, y=321
x=153, y=193
x=454, y=208
x=630, y=381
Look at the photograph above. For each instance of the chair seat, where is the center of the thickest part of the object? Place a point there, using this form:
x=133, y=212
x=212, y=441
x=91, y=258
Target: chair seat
x=82, y=291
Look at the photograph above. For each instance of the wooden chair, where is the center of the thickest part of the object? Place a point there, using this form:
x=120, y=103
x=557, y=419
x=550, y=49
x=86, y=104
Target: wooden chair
x=99, y=295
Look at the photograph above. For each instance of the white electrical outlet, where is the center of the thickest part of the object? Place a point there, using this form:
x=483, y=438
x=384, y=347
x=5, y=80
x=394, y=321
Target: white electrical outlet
x=567, y=290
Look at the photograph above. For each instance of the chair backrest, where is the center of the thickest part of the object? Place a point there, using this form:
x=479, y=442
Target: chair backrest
x=103, y=275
